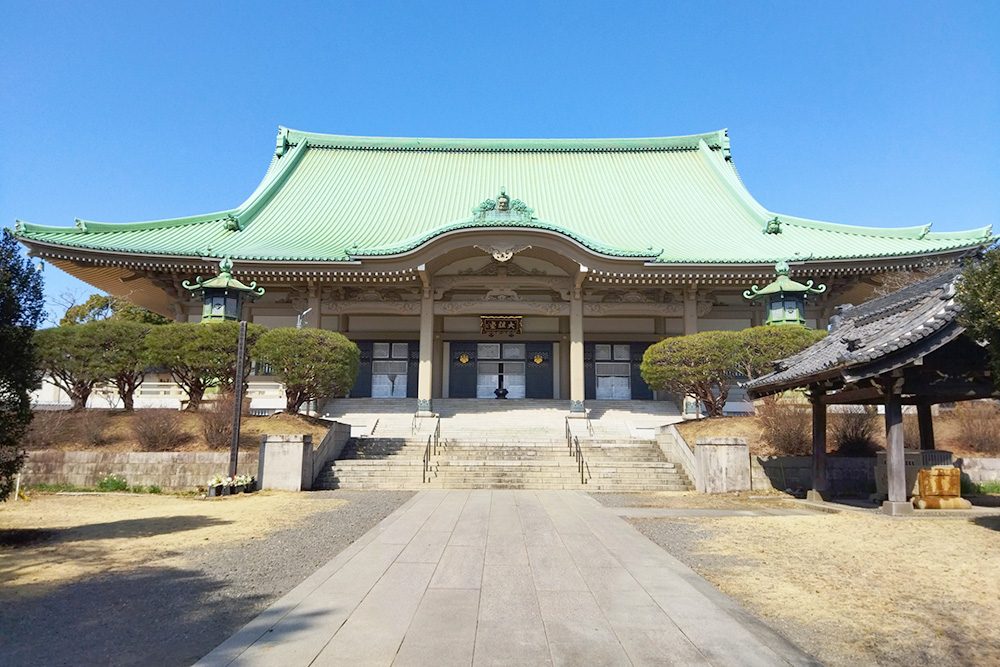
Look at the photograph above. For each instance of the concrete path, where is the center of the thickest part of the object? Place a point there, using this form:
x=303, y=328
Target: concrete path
x=678, y=513
x=505, y=578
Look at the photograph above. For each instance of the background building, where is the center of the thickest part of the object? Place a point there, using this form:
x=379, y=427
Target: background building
x=464, y=266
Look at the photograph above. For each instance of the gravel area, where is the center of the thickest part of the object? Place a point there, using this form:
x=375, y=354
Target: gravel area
x=153, y=615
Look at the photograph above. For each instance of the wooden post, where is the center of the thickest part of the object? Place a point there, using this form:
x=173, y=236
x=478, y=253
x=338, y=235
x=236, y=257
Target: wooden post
x=234, y=448
x=819, y=482
x=895, y=460
x=926, y=423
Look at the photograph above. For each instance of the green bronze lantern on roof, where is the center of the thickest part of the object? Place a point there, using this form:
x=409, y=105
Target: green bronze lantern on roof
x=223, y=295
x=785, y=299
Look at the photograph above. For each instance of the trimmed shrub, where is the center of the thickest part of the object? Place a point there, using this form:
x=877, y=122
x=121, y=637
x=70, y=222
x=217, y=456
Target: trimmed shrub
x=159, y=430
x=979, y=425
x=786, y=426
x=49, y=427
x=853, y=432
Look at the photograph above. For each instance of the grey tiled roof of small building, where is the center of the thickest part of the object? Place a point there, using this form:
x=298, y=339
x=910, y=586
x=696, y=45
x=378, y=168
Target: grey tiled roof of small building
x=862, y=338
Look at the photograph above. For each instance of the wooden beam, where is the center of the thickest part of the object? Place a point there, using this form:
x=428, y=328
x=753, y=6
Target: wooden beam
x=853, y=396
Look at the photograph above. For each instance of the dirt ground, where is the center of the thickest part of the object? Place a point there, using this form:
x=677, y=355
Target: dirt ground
x=946, y=434
x=61, y=430
x=132, y=529
x=853, y=588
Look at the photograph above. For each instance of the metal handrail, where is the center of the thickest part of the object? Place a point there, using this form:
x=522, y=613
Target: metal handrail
x=569, y=437
x=427, y=457
x=590, y=427
x=431, y=447
x=580, y=464
x=437, y=434
x=413, y=424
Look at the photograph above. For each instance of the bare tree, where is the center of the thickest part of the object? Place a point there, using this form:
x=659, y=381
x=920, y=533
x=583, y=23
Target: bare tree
x=897, y=280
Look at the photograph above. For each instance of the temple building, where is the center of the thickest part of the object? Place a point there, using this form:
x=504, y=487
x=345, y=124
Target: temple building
x=478, y=268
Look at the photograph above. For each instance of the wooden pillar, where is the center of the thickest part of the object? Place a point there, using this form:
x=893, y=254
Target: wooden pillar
x=426, y=368
x=576, y=384
x=820, y=487
x=926, y=424
x=895, y=460
x=425, y=384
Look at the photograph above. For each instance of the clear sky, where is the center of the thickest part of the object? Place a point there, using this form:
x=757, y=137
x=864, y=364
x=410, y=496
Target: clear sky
x=868, y=113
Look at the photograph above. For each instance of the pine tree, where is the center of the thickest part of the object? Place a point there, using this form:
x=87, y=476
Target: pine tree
x=20, y=312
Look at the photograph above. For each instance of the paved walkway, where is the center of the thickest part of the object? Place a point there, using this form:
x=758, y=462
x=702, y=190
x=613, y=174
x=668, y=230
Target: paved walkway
x=505, y=578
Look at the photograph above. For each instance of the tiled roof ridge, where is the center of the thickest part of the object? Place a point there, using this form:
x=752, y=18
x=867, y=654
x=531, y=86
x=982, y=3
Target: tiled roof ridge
x=287, y=137
x=901, y=298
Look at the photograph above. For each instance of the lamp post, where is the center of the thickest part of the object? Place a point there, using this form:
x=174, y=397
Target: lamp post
x=223, y=297
x=784, y=298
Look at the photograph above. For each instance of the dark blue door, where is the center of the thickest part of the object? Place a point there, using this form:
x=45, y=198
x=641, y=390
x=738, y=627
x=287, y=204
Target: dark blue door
x=462, y=372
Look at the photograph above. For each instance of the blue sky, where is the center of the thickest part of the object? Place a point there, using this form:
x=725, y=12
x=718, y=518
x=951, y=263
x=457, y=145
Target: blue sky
x=869, y=113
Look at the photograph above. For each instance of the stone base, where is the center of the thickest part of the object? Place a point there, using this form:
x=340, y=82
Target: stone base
x=815, y=496
x=942, y=503
x=897, y=508
x=426, y=413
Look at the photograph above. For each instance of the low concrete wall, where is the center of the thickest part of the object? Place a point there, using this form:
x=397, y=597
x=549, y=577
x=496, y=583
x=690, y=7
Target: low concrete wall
x=676, y=449
x=331, y=447
x=174, y=471
x=290, y=463
x=846, y=475
x=286, y=462
x=723, y=465
x=980, y=470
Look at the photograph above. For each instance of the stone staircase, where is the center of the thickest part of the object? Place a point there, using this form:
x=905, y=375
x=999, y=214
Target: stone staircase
x=513, y=445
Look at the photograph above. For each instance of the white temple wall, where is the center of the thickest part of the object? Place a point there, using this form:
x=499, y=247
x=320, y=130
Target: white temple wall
x=386, y=323
x=275, y=321
x=706, y=324
x=619, y=325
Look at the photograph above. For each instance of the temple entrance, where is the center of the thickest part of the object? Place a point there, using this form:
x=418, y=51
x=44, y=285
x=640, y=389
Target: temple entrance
x=479, y=370
x=500, y=371
x=387, y=369
x=611, y=371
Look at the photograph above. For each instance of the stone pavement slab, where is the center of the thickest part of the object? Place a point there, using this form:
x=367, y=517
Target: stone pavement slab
x=505, y=578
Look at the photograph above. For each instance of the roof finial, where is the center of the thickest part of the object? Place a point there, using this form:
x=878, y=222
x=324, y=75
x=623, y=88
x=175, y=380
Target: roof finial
x=503, y=201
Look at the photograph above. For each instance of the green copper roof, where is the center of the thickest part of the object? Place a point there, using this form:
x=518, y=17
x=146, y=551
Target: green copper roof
x=668, y=199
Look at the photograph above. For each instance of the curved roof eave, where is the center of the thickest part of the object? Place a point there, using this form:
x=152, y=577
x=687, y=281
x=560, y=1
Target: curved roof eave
x=534, y=224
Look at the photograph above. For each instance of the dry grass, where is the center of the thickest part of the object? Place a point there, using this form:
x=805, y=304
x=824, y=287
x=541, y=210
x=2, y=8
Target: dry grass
x=118, y=433
x=947, y=434
x=859, y=589
x=54, y=539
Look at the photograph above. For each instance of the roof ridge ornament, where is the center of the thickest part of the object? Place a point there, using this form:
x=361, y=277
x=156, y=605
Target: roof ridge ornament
x=503, y=208
x=773, y=226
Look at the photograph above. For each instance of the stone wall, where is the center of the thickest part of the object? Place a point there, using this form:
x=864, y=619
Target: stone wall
x=980, y=470
x=173, y=471
x=846, y=475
